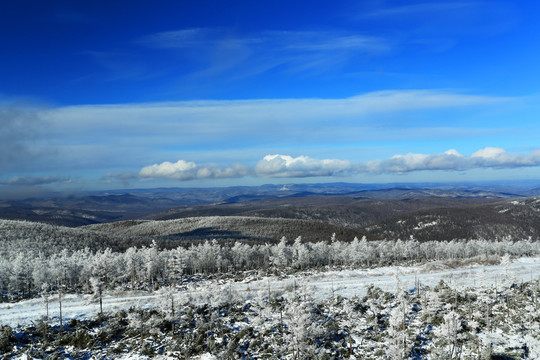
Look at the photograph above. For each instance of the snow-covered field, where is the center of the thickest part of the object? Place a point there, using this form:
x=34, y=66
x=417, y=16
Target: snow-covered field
x=346, y=283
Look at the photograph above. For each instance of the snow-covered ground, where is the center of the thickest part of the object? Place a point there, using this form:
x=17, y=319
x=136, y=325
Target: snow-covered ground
x=323, y=284
x=354, y=282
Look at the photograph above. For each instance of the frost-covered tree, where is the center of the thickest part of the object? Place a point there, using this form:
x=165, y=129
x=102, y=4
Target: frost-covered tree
x=45, y=296
x=302, y=327
x=167, y=304
x=448, y=334
x=282, y=254
x=398, y=348
x=136, y=322
x=152, y=261
x=97, y=291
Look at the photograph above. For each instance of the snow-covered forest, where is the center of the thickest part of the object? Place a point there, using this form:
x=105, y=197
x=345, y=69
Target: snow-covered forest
x=26, y=272
x=441, y=321
x=196, y=308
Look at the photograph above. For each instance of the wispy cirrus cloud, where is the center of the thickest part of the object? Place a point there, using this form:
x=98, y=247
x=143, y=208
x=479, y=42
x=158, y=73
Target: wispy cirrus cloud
x=422, y=9
x=183, y=38
x=220, y=50
x=272, y=39
x=445, y=17
x=436, y=26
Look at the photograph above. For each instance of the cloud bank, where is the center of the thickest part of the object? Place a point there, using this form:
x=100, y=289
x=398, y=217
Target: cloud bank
x=188, y=170
x=265, y=136
x=228, y=124
x=35, y=180
x=302, y=166
x=489, y=157
x=21, y=127
x=286, y=166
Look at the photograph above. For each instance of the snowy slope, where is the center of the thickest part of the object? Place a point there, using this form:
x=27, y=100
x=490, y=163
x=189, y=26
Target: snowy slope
x=323, y=284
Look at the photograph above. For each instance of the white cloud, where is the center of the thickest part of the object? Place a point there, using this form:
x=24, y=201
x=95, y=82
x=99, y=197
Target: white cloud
x=499, y=158
x=301, y=166
x=489, y=153
x=277, y=165
x=187, y=170
x=269, y=166
x=489, y=157
x=449, y=160
x=191, y=123
x=122, y=137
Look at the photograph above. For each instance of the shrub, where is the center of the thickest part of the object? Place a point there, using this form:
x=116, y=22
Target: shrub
x=6, y=339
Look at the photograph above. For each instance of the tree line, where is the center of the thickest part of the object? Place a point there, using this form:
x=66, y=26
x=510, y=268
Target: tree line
x=31, y=273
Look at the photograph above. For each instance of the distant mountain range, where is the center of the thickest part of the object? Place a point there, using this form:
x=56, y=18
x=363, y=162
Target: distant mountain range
x=421, y=211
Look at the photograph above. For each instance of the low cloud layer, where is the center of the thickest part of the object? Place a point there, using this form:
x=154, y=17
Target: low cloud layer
x=21, y=127
x=286, y=166
x=187, y=170
x=267, y=138
x=35, y=180
x=122, y=137
x=489, y=157
x=20, y=187
x=302, y=166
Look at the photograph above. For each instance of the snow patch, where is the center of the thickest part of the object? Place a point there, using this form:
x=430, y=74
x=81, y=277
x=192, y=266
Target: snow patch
x=422, y=225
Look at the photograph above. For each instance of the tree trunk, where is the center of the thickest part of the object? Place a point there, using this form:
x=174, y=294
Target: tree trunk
x=350, y=345
x=60, y=303
x=172, y=313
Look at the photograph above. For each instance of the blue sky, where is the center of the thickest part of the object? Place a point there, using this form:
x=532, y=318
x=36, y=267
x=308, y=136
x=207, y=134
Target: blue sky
x=97, y=95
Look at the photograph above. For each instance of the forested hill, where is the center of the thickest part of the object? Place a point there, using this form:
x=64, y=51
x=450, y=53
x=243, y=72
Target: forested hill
x=45, y=239
x=505, y=219
x=343, y=204
x=424, y=218
x=436, y=219
x=267, y=213
x=247, y=229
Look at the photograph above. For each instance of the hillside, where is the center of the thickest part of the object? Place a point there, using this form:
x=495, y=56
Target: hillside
x=517, y=219
x=27, y=237
x=38, y=238
x=247, y=229
x=267, y=213
x=350, y=211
